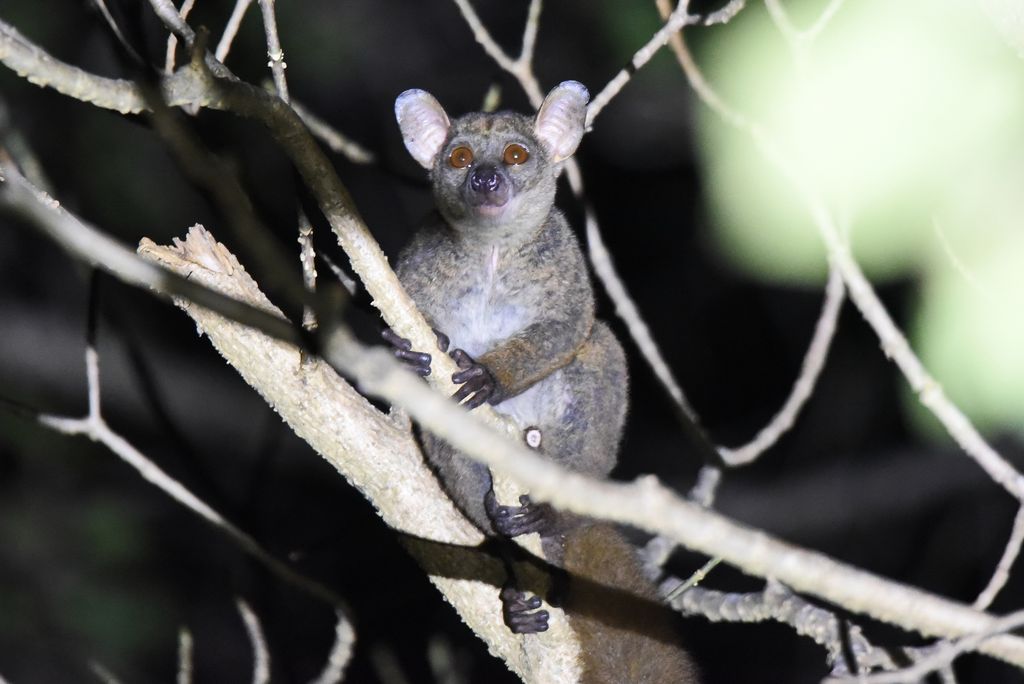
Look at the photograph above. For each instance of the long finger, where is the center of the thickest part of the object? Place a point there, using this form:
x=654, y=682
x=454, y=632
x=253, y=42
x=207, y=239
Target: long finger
x=395, y=339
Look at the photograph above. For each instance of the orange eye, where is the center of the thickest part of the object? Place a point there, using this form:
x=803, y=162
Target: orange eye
x=461, y=157
x=515, y=154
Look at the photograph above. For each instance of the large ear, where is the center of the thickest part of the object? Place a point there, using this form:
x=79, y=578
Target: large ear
x=424, y=125
x=560, y=119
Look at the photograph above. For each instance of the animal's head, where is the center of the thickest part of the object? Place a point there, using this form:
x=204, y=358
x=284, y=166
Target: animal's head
x=494, y=173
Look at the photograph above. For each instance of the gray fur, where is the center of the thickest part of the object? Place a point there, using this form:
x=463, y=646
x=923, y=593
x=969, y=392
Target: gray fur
x=498, y=270
x=511, y=289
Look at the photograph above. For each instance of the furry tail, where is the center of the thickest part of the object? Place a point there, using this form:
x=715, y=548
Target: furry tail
x=626, y=633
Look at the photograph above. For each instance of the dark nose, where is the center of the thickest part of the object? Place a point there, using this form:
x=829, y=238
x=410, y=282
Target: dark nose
x=485, y=179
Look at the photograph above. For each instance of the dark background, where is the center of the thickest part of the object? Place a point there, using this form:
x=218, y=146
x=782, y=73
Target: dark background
x=97, y=565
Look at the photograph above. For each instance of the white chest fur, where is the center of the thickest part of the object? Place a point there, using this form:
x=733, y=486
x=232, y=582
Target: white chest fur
x=485, y=311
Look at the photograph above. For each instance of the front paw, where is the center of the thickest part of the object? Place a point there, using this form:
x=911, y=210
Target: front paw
x=520, y=612
x=513, y=521
x=417, y=362
x=475, y=378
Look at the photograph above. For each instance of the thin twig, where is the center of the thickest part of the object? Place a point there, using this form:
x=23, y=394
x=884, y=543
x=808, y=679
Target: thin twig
x=522, y=67
x=1002, y=573
x=260, y=652
x=782, y=22
x=530, y=33
x=102, y=673
x=231, y=29
x=30, y=61
x=895, y=346
x=862, y=294
x=626, y=309
x=85, y=242
x=341, y=652
x=95, y=427
x=333, y=138
x=628, y=312
x=168, y=14
x=492, y=99
x=812, y=32
x=704, y=489
x=673, y=24
x=958, y=265
x=224, y=187
x=693, y=580
x=814, y=361
x=484, y=38
x=655, y=555
x=274, y=52
x=184, y=656
x=172, y=40
x=101, y=5
x=208, y=82
x=307, y=259
x=350, y=285
x=800, y=41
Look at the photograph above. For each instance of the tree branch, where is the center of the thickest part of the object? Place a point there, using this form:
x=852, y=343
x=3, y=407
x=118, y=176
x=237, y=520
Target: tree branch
x=650, y=506
x=334, y=139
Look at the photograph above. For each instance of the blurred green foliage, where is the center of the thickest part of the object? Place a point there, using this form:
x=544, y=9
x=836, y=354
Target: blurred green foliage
x=905, y=118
